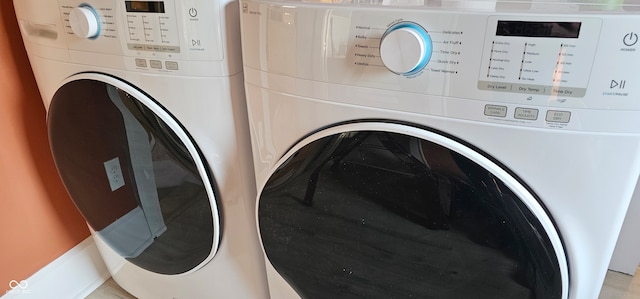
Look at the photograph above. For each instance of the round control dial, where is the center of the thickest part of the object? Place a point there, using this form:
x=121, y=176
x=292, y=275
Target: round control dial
x=405, y=48
x=84, y=22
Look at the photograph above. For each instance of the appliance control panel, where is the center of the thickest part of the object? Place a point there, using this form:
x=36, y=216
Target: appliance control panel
x=539, y=57
x=578, y=61
x=529, y=66
x=521, y=54
x=156, y=35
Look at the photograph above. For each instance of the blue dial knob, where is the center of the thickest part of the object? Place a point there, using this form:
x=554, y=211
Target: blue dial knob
x=405, y=48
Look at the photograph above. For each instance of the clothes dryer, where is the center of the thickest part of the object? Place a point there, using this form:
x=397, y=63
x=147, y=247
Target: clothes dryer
x=441, y=149
x=148, y=129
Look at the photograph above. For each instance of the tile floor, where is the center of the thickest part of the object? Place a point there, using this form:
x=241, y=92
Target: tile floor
x=616, y=286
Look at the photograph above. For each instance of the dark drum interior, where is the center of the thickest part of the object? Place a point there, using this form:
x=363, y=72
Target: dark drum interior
x=370, y=214
x=131, y=177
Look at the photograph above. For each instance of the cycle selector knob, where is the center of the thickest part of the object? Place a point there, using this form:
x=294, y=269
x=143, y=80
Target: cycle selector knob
x=405, y=48
x=84, y=22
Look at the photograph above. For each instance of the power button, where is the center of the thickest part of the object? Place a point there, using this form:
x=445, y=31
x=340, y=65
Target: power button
x=630, y=39
x=193, y=12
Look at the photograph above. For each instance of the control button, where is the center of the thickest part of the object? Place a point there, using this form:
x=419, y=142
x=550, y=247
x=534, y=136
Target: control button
x=84, y=21
x=173, y=49
x=155, y=64
x=489, y=85
x=620, y=84
x=405, y=48
x=528, y=88
x=171, y=65
x=526, y=113
x=135, y=47
x=495, y=110
x=568, y=91
x=630, y=39
x=193, y=12
x=555, y=116
x=141, y=62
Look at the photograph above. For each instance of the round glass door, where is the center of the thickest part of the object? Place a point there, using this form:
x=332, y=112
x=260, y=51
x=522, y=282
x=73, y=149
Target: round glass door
x=381, y=210
x=134, y=174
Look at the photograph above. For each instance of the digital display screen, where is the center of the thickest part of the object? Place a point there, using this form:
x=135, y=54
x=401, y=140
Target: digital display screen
x=145, y=6
x=538, y=29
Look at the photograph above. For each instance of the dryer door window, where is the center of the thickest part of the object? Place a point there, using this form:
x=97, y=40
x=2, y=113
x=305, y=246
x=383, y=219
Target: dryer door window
x=134, y=174
x=401, y=212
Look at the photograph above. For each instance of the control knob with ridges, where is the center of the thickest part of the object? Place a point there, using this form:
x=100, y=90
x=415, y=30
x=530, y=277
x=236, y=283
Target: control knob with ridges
x=84, y=22
x=405, y=48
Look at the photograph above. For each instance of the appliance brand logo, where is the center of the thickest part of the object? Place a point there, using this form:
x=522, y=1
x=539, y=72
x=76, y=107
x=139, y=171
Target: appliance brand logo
x=246, y=9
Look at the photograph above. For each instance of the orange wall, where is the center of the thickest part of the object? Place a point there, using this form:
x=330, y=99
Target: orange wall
x=38, y=221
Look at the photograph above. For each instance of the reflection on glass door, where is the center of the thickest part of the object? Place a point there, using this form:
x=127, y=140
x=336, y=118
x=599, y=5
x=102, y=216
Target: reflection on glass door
x=132, y=177
x=374, y=214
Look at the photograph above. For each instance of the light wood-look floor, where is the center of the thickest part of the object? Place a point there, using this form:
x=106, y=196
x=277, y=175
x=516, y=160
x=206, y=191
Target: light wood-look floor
x=616, y=286
x=621, y=286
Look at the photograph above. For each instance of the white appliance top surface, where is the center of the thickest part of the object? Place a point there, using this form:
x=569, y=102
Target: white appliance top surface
x=593, y=5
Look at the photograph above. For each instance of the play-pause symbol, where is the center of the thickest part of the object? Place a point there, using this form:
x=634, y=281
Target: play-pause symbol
x=619, y=84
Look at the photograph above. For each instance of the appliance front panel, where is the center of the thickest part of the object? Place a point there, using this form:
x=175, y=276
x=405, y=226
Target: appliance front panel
x=155, y=29
x=381, y=210
x=134, y=174
x=174, y=37
x=516, y=67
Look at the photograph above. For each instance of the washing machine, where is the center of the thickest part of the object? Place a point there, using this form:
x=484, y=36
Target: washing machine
x=441, y=149
x=148, y=129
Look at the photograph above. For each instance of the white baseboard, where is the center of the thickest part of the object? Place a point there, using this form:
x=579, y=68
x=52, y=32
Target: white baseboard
x=75, y=274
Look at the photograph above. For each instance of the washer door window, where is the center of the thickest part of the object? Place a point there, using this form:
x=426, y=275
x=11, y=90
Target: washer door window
x=374, y=210
x=134, y=174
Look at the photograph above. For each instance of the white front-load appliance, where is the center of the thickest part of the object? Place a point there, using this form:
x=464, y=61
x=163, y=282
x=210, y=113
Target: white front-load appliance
x=148, y=129
x=441, y=149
